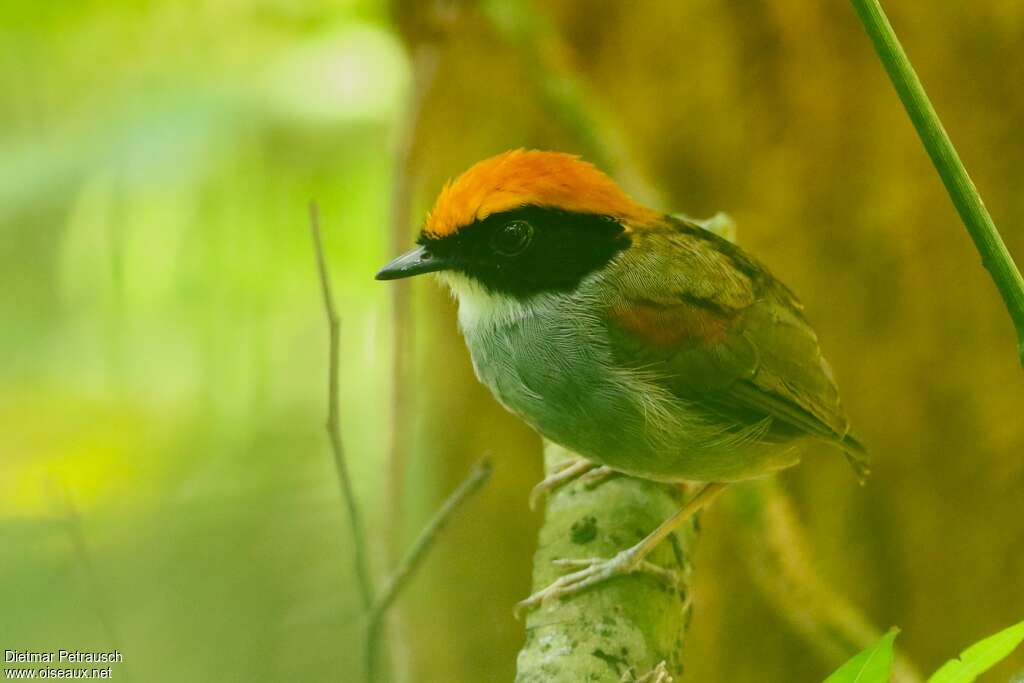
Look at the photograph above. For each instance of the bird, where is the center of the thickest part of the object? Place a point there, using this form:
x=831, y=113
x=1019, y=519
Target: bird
x=641, y=341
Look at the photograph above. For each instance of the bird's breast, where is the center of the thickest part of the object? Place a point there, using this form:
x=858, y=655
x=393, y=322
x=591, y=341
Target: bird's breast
x=551, y=364
x=551, y=361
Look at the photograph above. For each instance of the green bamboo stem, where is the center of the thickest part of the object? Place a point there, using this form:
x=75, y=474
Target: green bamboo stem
x=994, y=255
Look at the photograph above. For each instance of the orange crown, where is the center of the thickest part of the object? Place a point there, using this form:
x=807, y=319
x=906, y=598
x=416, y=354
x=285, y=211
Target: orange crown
x=529, y=177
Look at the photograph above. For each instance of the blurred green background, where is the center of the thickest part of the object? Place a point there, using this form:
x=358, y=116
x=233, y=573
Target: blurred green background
x=165, y=483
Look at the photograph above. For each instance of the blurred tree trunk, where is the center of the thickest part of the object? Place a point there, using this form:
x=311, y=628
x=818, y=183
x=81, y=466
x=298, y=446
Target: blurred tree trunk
x=455, y=622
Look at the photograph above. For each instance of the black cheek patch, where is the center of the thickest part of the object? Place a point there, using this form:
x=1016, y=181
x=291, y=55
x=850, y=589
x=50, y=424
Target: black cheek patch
x=566, y=246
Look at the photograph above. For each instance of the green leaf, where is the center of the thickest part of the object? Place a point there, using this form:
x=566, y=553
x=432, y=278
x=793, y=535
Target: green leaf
x=873, y=665
x=980, y=657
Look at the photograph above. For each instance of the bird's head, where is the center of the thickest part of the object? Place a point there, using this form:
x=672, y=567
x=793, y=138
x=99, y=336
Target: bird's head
x=522, y=223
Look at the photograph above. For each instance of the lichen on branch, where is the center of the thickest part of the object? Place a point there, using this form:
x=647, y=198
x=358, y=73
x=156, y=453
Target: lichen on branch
x=625, y=628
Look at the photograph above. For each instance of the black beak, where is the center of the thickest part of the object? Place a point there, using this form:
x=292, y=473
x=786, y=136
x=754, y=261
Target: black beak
x=414, y=262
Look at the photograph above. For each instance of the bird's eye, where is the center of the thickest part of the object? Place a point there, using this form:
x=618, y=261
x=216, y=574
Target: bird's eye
x=512, y=238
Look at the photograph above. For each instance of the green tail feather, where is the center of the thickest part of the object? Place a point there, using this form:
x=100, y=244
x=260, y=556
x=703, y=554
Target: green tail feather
x=857, y=456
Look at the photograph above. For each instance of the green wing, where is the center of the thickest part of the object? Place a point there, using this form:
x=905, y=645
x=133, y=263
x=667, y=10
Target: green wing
x=723, y=332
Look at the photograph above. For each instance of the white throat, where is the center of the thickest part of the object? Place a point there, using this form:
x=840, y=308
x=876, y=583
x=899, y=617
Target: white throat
x=479, y=308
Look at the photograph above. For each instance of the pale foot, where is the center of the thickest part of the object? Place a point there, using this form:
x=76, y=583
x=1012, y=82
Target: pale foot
x=594, y=571
x=596, y=476
x=659, y=674
x=564, y=473
x=587, y=472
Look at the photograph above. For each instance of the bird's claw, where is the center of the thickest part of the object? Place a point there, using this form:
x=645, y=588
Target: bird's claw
x=590, y=572
x=565, y=472
x=596, y=476
x=658, y=674
x=587, y=472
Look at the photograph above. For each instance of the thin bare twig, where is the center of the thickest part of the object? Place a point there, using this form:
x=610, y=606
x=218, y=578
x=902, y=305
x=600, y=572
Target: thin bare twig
x=361, y=558
x=376, y=608
x=400, y=577
x=80, y=546
x=477, y=477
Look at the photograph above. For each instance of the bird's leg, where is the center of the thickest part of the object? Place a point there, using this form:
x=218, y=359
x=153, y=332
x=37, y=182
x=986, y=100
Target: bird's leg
x=594, y=571
x=588, y=472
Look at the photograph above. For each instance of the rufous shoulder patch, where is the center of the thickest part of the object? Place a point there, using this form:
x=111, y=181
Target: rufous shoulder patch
x=678, y=326
x=529, y=177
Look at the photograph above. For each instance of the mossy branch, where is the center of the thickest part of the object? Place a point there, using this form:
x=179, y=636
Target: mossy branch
x=630, y=628
x=994, y=254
